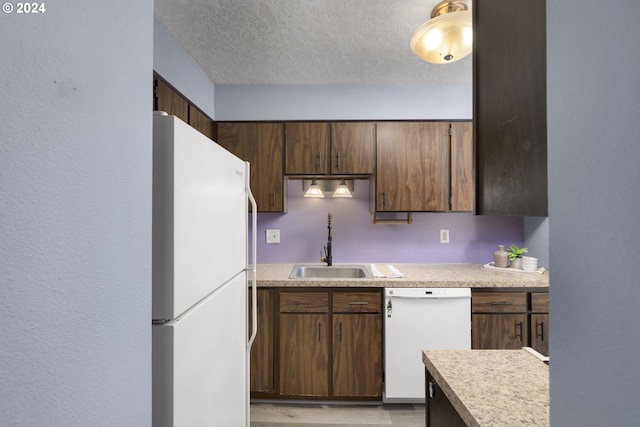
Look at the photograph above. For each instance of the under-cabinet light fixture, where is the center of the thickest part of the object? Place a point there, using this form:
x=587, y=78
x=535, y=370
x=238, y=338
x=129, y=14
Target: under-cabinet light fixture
x=342, y=191
x=340, y=188
x=314, y=191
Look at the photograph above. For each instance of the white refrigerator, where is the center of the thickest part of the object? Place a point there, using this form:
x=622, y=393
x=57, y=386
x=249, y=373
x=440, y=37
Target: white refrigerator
x=200, y=329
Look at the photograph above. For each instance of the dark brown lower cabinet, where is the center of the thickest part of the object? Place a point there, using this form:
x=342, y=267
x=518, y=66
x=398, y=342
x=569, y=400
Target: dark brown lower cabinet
x=499, y=320
x=357, y=355
x=540, y=333
x=262, y=360
x=505, y=331
x=540, y=322
x=328, y=345
x=439, y=410
x=510, y=320
x=304, y=354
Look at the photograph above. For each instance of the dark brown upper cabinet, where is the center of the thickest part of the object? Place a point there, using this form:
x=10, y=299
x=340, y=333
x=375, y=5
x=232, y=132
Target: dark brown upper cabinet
x=167, y=99
x=307, y=148
x=412, y=171
x=509, y=107
x=462, y=188
x=322, y=148
x=200, y=121
x=353, y=148
x=261, y=144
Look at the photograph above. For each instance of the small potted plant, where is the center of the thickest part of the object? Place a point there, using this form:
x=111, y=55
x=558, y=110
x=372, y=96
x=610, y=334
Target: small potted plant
x=515, y=255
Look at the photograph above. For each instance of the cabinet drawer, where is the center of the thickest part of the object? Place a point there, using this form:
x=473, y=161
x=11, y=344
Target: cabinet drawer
x=357, y=302
x=499, y=302
x=304, y=302
x=540, y=302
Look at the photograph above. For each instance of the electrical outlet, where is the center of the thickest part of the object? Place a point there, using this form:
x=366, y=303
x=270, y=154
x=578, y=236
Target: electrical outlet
x=444, y=236
x=273, y=236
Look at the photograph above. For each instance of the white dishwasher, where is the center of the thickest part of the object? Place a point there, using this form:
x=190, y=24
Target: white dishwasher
x=418, y=319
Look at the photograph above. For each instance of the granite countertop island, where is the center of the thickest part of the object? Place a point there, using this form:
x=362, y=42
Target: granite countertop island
x=415, y=276
x=493, y=388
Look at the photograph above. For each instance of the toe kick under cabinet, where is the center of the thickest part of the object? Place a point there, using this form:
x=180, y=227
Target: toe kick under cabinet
x=327, y=345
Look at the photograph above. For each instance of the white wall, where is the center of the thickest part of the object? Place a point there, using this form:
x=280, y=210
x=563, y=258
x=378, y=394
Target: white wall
x=324, y=102
x=75, y=215
x=177, y=67
x=594, y=200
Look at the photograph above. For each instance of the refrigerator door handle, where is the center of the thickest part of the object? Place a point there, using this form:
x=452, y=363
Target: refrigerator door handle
x=252, y=266
x=252, y=274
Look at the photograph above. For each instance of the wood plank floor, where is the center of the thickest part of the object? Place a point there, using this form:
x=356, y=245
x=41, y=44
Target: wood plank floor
x=339, y=415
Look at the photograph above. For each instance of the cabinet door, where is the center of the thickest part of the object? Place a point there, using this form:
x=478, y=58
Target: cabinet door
x=462, y=182
x=262, y=379
x=412, y=171
x=304, y=355
x=439, y=410
x=261, y=144
x=540, y=322
x=357, y=355
x=540, y=333
x=307, y=148
x=200, y=122
x=352, y=148
x=170, y=101
x=499, y=331
x=509, y=84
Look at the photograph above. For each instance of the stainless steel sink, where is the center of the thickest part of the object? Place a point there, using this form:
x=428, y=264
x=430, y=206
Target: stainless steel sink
x=305, y=271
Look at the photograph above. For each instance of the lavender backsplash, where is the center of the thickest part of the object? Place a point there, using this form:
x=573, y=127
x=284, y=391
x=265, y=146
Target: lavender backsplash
x=303, y=232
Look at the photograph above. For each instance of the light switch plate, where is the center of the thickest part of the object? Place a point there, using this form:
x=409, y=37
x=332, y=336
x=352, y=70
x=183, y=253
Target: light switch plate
x=444, y=236
x=273, y=236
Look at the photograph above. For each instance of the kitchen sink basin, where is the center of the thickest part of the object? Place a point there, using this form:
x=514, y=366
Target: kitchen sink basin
x=302, y=271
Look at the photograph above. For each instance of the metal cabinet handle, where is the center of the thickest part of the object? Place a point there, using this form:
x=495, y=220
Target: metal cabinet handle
x=273, y=197
x=541, y=334
x=519, y=327
x=358, y=303
x=338, y=160
x=501, y=303
x=318, y=161
x=319, y=331
x=432, y=389
x=340, y=332
x=384, y=199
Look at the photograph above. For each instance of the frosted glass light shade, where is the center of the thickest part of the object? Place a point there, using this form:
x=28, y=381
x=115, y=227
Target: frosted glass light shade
x=444, y=39
x=314, y=190
x=342, y=191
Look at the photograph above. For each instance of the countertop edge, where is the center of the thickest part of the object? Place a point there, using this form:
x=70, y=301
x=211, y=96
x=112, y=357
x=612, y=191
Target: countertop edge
x=516, y=379
x=415, y=275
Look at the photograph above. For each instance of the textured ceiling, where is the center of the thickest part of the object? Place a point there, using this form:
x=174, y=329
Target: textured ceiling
x=307, y=42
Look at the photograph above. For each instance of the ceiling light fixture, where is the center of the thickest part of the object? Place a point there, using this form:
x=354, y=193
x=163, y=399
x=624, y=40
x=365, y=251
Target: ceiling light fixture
x=314, y=190
x=448, y=36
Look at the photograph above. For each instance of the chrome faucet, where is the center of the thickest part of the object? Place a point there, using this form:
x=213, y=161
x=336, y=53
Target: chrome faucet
x=328, y=258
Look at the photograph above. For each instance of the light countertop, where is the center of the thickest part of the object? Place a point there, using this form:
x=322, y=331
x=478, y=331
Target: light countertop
x=415, y=276
x=493, y=388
